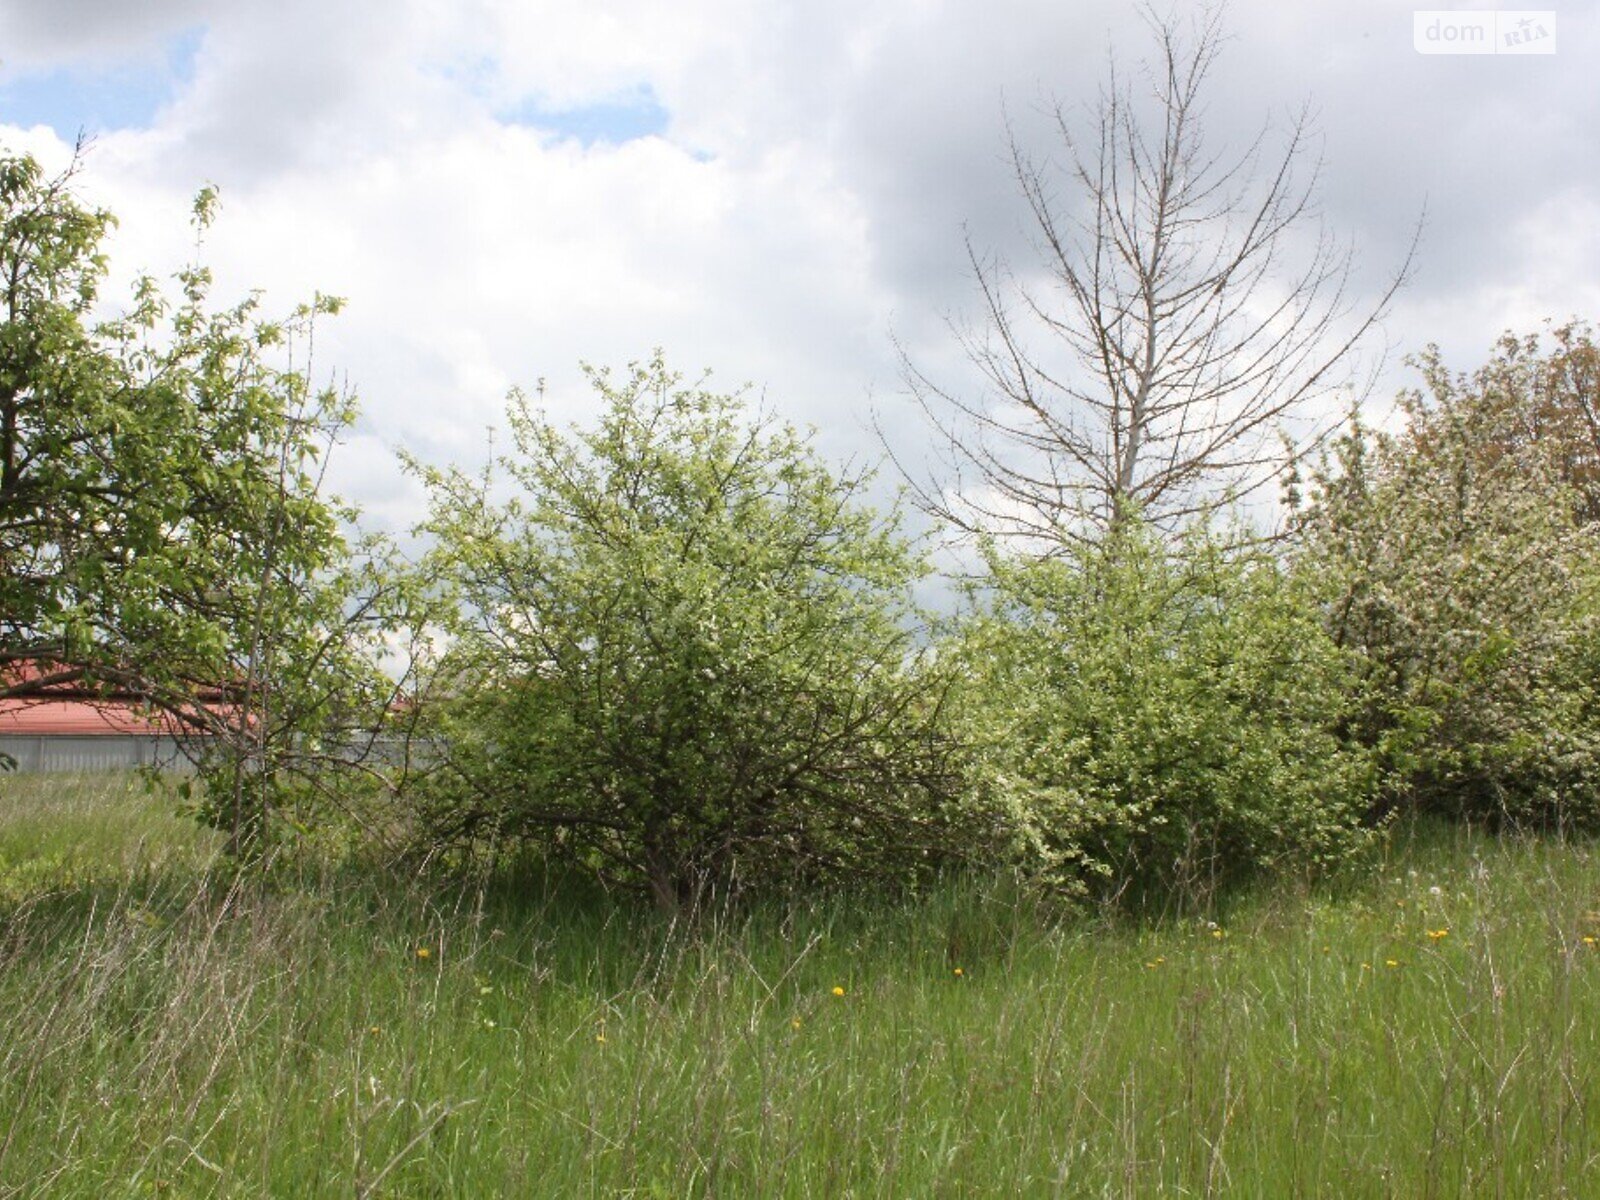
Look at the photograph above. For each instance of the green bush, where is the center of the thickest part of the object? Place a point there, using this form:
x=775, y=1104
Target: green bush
x=682, y=655
x=1160, y=721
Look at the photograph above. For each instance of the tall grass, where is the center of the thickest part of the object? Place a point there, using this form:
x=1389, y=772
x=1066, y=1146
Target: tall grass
x=1433, y=1030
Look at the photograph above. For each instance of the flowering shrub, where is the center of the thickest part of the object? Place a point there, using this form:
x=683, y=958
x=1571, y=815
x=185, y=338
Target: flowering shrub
x=1157, y=718
x=1457, y=560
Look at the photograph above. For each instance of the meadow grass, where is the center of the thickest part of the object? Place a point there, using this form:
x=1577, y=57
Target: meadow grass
x=1431, y=1029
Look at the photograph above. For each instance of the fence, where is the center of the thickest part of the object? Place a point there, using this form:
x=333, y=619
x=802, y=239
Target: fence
x=96, y=752
x=39, y=752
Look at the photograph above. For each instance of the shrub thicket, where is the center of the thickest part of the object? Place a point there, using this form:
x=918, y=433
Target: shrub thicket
x=1159, y=718
x=683, y=654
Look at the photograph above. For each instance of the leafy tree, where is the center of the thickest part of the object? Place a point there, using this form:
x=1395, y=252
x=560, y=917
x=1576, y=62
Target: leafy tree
x=682, y=654
x=1458, y=560
x=1534, y=400
x=164, y=534
x=1160, y=721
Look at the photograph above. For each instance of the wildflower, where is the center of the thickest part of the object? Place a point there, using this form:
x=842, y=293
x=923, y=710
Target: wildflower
x=1438, y=934
x=485, y=990
x=489, y=1023
x=1588, y=940
x=838, y=991
x=1436, y=890
x=1366, y=966
x=600, y=1037
x=959, y=972
x=423, y=952
x=1219, y=934
x=1390, y=962
x=795, y=1024
x=374, y=1031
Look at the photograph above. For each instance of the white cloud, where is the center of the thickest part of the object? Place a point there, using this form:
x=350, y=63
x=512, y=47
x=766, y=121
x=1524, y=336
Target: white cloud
x=808, y=192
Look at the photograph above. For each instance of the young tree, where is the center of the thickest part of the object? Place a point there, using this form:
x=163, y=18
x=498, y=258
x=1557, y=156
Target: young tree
x=1187, y=308
x=682, y=655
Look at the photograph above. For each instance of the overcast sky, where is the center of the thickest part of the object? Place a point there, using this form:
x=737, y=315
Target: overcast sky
x=774, y=191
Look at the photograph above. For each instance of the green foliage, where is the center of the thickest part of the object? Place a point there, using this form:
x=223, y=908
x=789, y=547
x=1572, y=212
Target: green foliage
x=1161, y=720
x=683, y=654
x=1456, y=559
x=164, y=536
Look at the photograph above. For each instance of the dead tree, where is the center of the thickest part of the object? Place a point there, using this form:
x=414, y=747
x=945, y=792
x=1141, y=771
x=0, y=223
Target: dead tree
x=1188, y=314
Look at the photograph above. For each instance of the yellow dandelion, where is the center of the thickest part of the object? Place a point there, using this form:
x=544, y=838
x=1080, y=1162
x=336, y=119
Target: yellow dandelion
x=838, y=991
x=423, y=952
x=600, y=1037
x=374, y=1031
x=795, y=1024
x=1219, y=934
x=1438, y=934
x=1366, y=966
x=959, y=972
x=1390, y=962
x=1588, y=940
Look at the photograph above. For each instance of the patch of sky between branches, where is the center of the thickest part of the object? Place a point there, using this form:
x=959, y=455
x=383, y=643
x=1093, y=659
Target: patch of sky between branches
x=99, y=97
x=613, y=121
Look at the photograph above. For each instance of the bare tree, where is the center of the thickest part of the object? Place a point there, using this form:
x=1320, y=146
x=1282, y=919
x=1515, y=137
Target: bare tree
x=1190, y=312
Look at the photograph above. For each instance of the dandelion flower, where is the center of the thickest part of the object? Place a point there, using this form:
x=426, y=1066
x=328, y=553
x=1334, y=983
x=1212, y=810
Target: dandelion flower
x=1438, y=934
x=1219, y=934
x=838, y=991
x=600, y=1037
x=795, y=1024
x=374, y=1031
x=1588, y=940
x=1390, y=962
x=959, y=972
x=423, y=952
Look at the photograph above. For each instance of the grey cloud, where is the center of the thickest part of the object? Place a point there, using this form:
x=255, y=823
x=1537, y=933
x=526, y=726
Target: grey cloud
x=44, y=32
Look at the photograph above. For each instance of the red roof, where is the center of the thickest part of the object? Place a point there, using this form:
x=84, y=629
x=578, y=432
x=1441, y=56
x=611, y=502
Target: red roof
x=80, y=718
x=65, y=707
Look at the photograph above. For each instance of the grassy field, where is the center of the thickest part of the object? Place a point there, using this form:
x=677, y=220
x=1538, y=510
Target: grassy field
x=1431, y=1030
